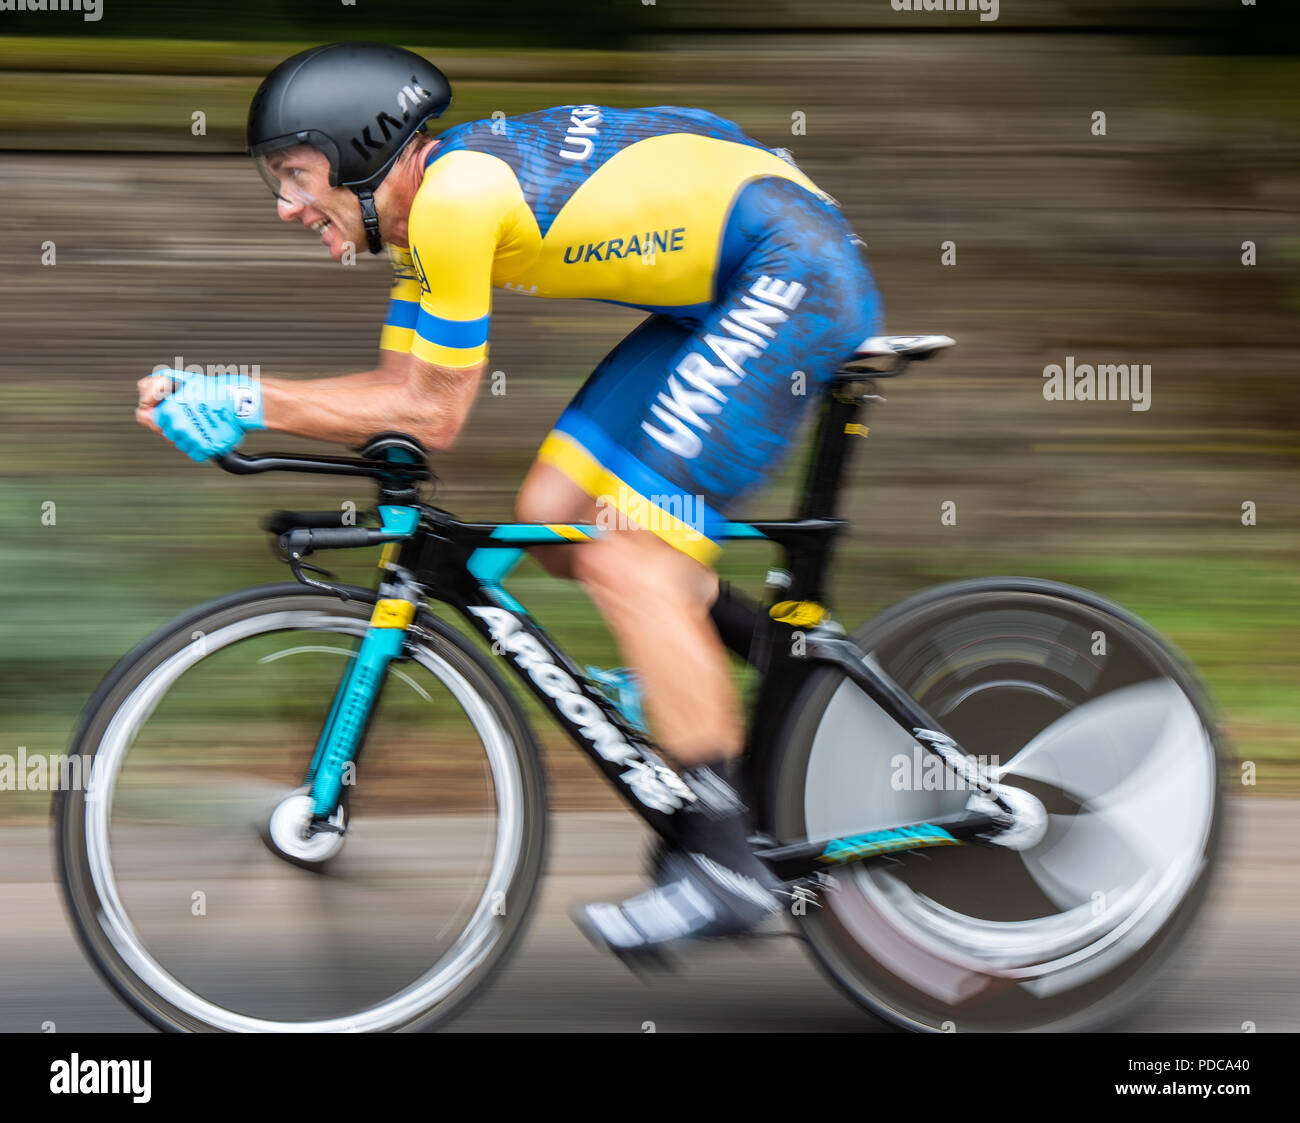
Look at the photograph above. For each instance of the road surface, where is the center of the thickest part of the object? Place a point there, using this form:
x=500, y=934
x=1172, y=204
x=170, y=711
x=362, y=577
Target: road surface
x=1240, y=966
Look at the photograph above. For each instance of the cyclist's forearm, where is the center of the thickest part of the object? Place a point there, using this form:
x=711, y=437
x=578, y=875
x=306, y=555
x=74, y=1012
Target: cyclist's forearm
x=366, y=378
x=431, y=405
x=393, y=367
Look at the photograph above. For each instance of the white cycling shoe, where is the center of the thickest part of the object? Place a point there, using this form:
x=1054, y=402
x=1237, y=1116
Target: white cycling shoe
x=699, y=899
x=711, y=887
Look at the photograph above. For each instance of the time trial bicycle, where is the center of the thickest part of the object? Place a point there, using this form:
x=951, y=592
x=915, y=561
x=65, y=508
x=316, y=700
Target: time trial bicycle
x=995, y=806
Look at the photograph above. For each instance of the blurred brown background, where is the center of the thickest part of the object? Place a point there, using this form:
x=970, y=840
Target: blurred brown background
x=927, y=127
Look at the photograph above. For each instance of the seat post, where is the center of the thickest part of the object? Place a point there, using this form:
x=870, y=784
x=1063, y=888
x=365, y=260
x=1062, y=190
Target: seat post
x=810, y=542
x=840, y=410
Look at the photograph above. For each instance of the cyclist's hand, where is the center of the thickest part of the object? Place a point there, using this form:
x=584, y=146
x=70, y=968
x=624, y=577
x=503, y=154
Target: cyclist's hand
x=203, y=415
x=151, y=390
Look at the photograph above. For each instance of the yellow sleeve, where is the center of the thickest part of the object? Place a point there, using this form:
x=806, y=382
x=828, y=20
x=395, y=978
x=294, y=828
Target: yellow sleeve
x=403, y=303
x=465, y=206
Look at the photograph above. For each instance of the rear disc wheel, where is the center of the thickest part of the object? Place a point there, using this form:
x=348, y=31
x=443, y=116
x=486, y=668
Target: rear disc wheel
x=1065, y=698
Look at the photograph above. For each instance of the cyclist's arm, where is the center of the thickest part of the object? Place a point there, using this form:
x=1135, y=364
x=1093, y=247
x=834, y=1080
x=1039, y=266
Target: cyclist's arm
x=428, y=401
x=434, y=342
x=329, y=409
x=434, y=345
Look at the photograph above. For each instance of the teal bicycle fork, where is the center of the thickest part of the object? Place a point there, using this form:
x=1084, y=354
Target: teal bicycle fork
x=358, y=692
x=355, y=700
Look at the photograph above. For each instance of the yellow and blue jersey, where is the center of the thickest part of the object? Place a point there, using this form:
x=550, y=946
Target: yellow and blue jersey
x=623, y=205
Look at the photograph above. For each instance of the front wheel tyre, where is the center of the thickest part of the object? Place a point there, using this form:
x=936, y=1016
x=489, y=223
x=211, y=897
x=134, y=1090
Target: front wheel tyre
x=199, y=740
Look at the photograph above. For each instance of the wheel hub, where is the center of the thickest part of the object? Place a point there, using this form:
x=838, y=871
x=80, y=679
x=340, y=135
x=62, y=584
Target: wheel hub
x=1028, y=817
x=290, y=830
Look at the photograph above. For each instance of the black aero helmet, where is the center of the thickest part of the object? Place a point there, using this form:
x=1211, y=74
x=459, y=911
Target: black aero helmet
x=358, y=103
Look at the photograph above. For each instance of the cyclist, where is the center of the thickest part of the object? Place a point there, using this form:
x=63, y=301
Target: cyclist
x=757, y=291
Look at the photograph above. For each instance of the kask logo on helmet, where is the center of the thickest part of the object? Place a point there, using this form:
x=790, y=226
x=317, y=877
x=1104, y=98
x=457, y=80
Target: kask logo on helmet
x=408, y=97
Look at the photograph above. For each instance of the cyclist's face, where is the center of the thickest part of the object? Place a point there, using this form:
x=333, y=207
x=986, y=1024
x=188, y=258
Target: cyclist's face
x=300, y=177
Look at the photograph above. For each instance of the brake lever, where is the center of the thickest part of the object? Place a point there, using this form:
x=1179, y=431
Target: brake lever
x=297, y=565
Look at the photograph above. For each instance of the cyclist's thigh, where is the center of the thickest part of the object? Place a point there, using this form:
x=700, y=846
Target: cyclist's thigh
x=547, y=495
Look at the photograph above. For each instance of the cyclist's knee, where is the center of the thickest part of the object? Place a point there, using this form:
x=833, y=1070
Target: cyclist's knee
x=549, y=496
x=637, y=564
x=530, y=507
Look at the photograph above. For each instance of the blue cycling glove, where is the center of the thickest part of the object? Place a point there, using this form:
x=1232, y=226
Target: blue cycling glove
x=207, y=415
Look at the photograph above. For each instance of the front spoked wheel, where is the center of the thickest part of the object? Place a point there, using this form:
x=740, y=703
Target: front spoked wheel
x=1063, y=696
x=191, y=882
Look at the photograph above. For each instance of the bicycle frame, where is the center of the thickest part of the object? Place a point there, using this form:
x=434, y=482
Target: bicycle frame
x=464, y=565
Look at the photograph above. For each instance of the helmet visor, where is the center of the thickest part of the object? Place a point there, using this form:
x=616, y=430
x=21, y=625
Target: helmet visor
x=298, y=171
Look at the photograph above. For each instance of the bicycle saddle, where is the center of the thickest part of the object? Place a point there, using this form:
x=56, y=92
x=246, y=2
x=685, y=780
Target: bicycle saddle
x=886, y=354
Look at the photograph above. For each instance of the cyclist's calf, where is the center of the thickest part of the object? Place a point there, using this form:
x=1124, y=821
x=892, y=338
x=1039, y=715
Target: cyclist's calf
x=656, y=602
